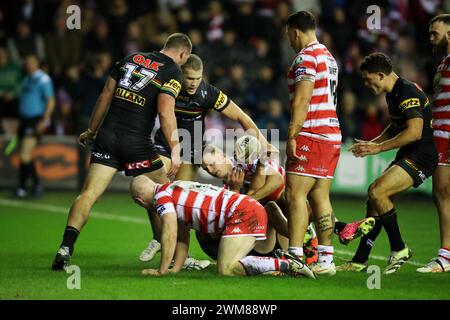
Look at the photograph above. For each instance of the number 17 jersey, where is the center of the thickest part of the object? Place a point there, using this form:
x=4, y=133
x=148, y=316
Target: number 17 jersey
x=316, y=64
x=141, y=77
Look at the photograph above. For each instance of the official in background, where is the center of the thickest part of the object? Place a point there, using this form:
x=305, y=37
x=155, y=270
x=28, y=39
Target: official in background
x=37, y=102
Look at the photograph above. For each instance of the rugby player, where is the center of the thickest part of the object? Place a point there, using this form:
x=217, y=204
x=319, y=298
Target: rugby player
x=265, y=181
x=192, y=104
x=314, y=140
x=238, y=220
x=140, y=86
x=440, y=40
x=410, y=130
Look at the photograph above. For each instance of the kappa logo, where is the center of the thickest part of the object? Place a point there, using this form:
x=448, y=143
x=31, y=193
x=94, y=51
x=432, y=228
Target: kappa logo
x=236, y=230
x=300, y=168
x=305, y=148
x=303, y=158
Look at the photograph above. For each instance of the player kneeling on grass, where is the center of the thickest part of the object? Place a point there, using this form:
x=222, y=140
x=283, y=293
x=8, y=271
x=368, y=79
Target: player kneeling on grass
x=237, y=219
x=264, y=180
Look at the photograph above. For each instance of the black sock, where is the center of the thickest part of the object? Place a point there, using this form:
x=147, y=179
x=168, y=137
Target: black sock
x=23, y=175
x=339, y=226
x=33, y=174
x=389, y=222
x=70, y=237
x=367, y=242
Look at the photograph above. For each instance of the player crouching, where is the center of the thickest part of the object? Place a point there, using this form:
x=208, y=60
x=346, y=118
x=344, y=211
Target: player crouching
x=237, y=219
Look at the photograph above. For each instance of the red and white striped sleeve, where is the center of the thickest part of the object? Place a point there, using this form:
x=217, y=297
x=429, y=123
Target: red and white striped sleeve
x=164, y=203
x=305, y=66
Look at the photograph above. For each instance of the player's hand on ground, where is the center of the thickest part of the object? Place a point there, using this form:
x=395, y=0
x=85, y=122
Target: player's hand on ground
x=85, y=138
x=291, y=149
x=364, y=148
x=151, y=272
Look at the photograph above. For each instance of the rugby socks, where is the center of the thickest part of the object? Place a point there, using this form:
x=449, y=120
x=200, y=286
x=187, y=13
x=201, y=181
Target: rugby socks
x=367, y=242
x=23, y=175
x=296, y=251
x=27, y=170
x=33, y=174
x=325, y=254
x=389, y=222
x=69, y=238
x=313, y=231
x=444, y=256
x=257, y=265
x=339, y=226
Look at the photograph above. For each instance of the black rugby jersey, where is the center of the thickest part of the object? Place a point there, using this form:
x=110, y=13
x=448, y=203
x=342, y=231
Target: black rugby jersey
x=193, y=108
x=140, y=78
x=408, y=101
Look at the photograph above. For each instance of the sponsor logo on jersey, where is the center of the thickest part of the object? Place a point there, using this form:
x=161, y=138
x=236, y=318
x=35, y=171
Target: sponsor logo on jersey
x=146, y=62
x=320, y=169
x=138, y=165
x=174, y=85
x=409, y=103
x=160, y=209
x=436, y=83
x=300, y=71
x=221, y=101
x=334, y=121
x=332, y=70
x=130, y=96
x=299, y=60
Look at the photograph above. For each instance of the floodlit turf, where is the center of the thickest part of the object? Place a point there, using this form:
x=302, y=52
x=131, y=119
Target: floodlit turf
x=107, y=251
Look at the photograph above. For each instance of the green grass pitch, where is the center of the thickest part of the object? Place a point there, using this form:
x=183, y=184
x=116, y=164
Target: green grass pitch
x=107, y=251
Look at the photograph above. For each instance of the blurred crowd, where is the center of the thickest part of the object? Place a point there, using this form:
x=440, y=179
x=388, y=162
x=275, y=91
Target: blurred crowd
x=243, y=45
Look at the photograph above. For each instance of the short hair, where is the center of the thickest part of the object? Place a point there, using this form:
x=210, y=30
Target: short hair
x=445, y=18
x=302, y=20
x=211, y=148
x=194, y=62
x=376, y=62
x=178, y=41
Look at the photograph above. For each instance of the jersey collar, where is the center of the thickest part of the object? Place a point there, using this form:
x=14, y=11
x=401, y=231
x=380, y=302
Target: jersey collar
x=311, y=44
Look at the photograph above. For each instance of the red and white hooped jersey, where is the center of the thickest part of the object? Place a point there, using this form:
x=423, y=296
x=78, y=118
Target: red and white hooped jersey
x=315, y=63
x=250, y=169
x=203, y=207
x=441, y=100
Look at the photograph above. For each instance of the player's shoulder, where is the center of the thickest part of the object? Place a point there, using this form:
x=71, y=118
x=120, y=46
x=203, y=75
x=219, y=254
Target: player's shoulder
x=409, y=95
x=408, y=88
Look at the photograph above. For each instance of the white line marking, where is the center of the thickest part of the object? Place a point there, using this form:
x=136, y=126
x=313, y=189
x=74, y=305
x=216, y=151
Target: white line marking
x=113, y=217
x=65, y=211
